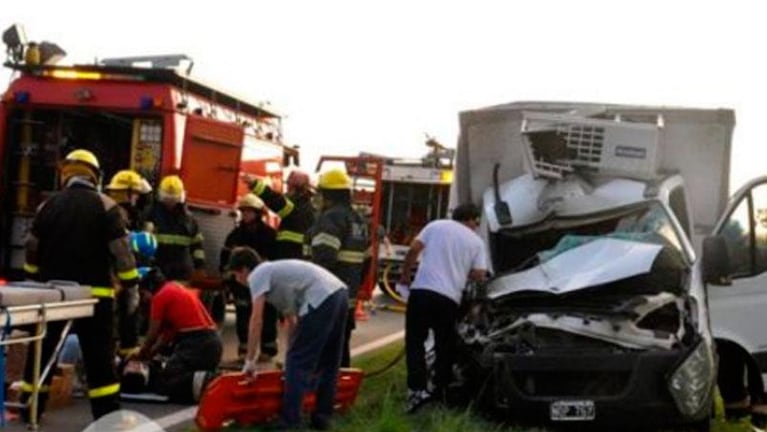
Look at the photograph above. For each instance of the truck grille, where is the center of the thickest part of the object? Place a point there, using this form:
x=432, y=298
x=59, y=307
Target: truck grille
x=565, y=383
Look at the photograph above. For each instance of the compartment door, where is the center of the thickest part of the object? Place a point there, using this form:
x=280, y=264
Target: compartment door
x=211, y=161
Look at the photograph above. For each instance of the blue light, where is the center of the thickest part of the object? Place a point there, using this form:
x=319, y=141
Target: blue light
x=146, y=102
x=21, y=97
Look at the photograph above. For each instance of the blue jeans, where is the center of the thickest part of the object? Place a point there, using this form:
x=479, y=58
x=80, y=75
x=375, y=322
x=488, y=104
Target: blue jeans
x=314, y=357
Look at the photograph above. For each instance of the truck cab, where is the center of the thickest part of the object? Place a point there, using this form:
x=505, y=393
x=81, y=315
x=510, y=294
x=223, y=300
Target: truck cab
x=597, y=310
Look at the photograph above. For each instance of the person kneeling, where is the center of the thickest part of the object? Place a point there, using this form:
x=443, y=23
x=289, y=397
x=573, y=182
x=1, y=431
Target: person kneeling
x=178, y=319
x=314, y=304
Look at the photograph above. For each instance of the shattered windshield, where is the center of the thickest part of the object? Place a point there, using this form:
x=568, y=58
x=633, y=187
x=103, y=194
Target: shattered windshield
x=646, y=223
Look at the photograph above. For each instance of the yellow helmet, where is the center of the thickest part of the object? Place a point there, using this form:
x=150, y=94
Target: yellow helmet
x=129, y=180
x=334, y=179
x=172, y=189
x=250, y=201
x=80, y=163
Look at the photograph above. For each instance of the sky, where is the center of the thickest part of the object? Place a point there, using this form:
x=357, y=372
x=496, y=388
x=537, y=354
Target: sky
x=372, y=76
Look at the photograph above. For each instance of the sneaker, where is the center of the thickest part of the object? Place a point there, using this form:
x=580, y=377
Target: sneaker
x=318, y=423
x=416, y=399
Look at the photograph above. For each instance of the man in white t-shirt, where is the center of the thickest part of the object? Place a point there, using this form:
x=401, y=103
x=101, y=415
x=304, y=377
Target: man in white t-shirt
x=314, y=304
x=453, y=254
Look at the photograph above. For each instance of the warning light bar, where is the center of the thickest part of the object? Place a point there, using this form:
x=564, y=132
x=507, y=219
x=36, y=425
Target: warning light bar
x=86, y=75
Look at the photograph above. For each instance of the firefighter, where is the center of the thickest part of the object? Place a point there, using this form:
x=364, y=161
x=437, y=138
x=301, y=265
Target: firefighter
x=338, y=241
x=179, y=320
x=294, y=209
x=180, y=253
x=79, y=235
x=314, y=303
x=127, y=187
x=253, y=232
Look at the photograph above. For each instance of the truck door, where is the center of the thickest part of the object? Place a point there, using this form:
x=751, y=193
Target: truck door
x=739, y=311
x=211, y=160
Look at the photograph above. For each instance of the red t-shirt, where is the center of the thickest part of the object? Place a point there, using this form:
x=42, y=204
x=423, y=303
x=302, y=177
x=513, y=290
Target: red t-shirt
x=178, y=309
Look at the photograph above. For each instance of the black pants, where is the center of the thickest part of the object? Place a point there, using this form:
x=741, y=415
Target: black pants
x=198, y=351
x=428, y=310
x=127, y=328
x=737, y=379
x=98, y=348
x=215, y=303
x=243, y=307
x=351, y=324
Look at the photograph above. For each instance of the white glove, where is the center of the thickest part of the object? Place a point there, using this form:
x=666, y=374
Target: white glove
x=249, y=367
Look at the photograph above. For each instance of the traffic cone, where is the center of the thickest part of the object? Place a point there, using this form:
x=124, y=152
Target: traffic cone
x=359, y=312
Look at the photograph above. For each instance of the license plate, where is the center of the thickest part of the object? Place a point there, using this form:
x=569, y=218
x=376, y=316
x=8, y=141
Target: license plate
x=574, y=410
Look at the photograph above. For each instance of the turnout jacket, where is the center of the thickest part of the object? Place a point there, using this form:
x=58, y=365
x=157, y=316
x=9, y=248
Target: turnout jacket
x=296, y=217
x=179, y=242
x=338, y=241
x=79, y=234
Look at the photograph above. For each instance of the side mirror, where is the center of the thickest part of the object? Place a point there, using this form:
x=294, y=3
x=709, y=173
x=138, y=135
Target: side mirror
x=716, y=261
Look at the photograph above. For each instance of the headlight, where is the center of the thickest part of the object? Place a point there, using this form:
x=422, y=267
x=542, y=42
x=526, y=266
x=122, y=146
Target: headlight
x=690, y=384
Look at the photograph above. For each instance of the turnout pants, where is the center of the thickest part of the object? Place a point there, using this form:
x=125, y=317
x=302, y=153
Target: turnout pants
x=97, y=344
x=429, y=310
x=195, y=351
x=313, y=359
x=243, y=307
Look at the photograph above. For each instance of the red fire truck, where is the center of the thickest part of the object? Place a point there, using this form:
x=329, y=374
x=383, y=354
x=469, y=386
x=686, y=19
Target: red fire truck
x=156, y=120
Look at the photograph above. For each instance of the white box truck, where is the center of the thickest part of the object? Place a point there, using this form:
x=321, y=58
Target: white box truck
x=597, y=309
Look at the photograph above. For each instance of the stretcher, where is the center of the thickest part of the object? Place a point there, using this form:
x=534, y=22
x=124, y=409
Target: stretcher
x=34, y=305
x=233, y=398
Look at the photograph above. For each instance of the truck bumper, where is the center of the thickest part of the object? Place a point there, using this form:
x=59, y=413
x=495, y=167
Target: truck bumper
x=619, y=390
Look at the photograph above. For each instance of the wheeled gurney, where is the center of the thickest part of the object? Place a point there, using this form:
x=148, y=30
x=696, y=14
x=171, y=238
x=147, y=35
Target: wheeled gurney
x=34, y=305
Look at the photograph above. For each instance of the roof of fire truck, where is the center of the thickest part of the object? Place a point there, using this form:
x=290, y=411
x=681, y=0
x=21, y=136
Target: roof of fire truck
x=148, y=75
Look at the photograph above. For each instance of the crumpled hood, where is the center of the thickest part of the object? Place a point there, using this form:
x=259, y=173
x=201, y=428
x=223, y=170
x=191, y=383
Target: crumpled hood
x=594, y=263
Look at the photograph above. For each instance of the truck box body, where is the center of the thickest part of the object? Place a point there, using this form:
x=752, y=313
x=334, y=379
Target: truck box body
x=697, y=146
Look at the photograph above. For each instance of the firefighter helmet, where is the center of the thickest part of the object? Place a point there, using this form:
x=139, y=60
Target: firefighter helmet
x=143, y=243
x=335, y=179
x=80, y=163
x=250, y=201
x=129, y=180
x=299, y=180
x=172, y=189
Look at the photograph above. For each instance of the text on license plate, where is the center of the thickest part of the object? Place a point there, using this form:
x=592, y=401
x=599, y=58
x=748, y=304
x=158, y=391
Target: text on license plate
x=572, y=410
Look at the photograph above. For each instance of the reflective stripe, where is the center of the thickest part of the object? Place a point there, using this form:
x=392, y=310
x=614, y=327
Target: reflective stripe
x=286, y=210
x=291, y=236
x=31, y=268
x=102, y=292
x=128, y=275
x=326, y=240
x=258, y=189
x=125, y=352
x=174, y=239
x=307, y=250
x=104, y=391
x=198, y=254
x=352, y=257
x=198, y=238
x=28, y=388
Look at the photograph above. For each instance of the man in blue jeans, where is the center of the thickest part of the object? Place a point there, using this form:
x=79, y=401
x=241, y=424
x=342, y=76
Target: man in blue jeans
x=314, y=304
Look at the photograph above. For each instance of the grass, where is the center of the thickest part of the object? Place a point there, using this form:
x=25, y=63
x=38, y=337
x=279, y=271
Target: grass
x=380, y=406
